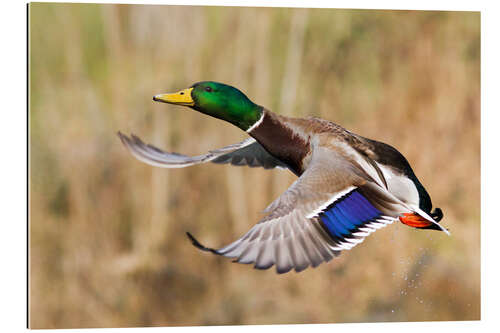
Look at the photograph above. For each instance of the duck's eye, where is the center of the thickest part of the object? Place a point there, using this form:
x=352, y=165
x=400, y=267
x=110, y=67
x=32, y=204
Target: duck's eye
x=182, y=93
x=208, y=89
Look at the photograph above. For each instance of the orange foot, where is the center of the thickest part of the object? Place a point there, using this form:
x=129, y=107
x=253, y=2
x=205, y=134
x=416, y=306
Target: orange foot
x=414, y=220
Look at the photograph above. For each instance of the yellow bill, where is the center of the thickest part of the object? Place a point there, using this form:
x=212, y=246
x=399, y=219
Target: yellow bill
x=182, y=97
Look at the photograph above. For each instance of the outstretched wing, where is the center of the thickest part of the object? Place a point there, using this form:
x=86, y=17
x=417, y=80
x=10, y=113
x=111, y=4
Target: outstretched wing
x=330, y=208
x=253, y=155
x=248, y=152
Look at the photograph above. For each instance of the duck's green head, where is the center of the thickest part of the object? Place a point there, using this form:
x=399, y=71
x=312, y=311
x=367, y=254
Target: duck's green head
x=217, y=100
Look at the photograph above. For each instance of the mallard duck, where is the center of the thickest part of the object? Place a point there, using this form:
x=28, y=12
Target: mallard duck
x=348, y=186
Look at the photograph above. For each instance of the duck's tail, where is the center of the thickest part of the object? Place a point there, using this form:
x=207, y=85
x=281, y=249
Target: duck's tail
x=437, y=214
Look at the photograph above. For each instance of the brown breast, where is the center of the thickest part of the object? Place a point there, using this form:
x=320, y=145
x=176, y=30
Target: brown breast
x=283, y=140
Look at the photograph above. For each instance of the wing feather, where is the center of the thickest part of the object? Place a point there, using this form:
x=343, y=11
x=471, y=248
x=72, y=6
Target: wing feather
x=291, y=235
x=248, y=152
x=328, y=209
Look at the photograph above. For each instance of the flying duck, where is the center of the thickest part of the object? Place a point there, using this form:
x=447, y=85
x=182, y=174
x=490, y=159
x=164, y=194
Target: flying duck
x=348, y=186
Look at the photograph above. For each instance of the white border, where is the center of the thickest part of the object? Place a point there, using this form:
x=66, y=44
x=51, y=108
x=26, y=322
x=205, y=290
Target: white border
x=13, y=135
x=254, y=126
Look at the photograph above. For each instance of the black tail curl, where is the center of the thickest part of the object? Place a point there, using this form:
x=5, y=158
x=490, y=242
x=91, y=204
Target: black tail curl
x=437, y=214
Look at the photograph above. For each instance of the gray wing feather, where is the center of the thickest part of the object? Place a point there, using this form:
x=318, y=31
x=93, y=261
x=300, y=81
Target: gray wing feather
x=253, y=155
x=248, y=152
x=289, y=237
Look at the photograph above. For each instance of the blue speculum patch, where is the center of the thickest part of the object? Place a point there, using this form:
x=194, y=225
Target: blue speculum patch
x=343, y=216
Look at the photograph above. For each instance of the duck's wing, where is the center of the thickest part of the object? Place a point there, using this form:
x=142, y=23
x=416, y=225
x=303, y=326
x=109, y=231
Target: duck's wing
x=252, y=155
x=248, y=152
x=330, y=208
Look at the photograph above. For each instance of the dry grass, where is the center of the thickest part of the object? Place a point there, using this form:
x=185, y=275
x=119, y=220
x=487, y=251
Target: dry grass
x=107, y=243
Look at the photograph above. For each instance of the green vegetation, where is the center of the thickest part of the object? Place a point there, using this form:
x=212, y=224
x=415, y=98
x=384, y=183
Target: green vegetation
x=108, y=245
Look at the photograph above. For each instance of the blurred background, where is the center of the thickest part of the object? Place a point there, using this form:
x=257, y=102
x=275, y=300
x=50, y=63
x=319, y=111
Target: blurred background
x=107, y=232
